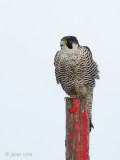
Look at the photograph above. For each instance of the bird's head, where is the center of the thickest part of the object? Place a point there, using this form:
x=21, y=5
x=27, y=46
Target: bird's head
x=69, y=41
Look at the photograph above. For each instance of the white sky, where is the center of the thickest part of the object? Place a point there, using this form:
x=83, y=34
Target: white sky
x=32, y=106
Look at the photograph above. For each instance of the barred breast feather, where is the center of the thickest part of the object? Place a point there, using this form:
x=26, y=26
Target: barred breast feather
x=76, y=70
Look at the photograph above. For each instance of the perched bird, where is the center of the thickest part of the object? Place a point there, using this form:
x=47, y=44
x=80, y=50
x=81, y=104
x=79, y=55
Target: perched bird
x=76, y=70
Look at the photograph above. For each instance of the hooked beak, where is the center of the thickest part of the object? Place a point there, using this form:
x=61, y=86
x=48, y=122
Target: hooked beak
x=62, y=43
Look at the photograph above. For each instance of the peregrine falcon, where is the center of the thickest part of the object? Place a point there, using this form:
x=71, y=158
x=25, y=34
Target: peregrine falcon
x=76, y=70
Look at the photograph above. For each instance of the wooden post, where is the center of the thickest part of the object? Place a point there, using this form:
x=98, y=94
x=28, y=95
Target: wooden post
x=77, y=129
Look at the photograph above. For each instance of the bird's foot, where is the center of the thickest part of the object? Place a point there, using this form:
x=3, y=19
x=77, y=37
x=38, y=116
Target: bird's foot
x=69, y=97
x=72, y=96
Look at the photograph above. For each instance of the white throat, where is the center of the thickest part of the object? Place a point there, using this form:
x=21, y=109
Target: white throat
x=74, y=48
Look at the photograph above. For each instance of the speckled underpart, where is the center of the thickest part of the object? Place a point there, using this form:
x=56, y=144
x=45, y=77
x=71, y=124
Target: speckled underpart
x=76, y=71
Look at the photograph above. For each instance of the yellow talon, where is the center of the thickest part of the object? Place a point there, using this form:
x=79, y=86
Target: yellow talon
x=69, y=97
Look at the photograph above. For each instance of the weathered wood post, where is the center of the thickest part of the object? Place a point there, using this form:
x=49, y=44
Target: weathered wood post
x=77, y=129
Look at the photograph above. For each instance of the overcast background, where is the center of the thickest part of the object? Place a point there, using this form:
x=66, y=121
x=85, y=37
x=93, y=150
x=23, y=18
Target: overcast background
x=32, y=106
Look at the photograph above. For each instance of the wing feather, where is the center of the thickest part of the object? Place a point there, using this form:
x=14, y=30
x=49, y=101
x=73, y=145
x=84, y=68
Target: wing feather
x=57, y=67
x=91, y=64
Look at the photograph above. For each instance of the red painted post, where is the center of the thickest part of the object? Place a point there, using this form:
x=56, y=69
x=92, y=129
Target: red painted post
x=77, y=129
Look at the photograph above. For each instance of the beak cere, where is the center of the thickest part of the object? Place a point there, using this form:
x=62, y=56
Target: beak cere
x=62, y=43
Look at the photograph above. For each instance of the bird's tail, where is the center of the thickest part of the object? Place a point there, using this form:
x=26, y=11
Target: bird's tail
x=89, y=100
